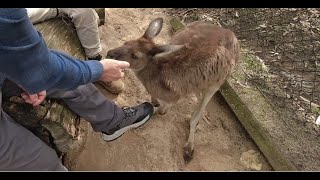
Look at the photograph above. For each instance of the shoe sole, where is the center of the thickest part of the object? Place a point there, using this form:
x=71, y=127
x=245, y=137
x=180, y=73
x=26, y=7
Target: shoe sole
x=120, y=132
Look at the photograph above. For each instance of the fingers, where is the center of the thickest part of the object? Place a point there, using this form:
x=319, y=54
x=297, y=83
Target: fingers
x=118, y=74
x=30, y=99
x=116, y=63
x=42, y=94
x=37, y=102
x=24, y=96
x=113, y=69
x=123, y=64
x=34, y=99
x=121, y=74
x=40, y=99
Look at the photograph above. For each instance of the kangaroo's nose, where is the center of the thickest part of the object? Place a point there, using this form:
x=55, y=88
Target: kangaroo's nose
x=111, y=55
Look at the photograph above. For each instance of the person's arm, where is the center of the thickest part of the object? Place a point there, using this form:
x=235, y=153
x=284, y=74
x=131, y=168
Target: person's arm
x=26, y=60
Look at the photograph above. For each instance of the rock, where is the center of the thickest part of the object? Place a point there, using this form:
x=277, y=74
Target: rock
x=250, y=159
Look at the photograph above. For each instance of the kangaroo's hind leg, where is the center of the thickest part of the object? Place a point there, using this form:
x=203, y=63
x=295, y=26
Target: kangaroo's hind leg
x=197, y=114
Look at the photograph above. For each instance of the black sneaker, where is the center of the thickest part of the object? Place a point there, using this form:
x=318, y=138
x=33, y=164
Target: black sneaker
x=98, y=57
x=133, y=118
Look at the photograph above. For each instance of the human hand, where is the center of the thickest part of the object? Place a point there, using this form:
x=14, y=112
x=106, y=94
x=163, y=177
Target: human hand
x=113, y=69
x=34, y=99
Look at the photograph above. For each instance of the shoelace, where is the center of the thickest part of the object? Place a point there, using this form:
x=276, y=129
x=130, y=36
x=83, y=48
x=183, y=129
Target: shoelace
x=129, y=112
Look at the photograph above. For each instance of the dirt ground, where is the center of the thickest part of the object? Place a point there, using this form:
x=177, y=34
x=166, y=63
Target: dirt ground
x=220, y=145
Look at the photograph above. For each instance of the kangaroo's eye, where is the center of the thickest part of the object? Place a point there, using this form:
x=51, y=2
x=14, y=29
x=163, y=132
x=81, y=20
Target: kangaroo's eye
x=134, y=56
x=137, y=55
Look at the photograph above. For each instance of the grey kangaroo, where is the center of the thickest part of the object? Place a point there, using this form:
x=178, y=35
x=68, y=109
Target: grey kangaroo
x=198, y=60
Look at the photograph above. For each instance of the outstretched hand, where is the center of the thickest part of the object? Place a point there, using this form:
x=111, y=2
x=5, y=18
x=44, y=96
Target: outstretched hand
x=113, y=69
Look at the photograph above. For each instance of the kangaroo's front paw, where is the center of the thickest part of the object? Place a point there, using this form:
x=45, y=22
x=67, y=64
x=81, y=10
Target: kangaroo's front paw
x=155, y=103
x=162, y=110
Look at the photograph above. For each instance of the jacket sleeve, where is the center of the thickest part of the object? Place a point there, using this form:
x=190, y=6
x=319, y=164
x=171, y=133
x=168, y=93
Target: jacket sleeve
x=26, y=60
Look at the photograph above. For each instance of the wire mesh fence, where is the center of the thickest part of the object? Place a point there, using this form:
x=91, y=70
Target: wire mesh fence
x=284, y=46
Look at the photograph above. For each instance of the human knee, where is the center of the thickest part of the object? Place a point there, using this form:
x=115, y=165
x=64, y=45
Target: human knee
x=83, y=16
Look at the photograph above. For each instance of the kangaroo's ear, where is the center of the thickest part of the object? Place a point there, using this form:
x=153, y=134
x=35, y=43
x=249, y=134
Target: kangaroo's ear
x=154, y=28
x=164, y=51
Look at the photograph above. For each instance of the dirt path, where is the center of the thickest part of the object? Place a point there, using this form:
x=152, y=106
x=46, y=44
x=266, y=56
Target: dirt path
x=157, y=146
